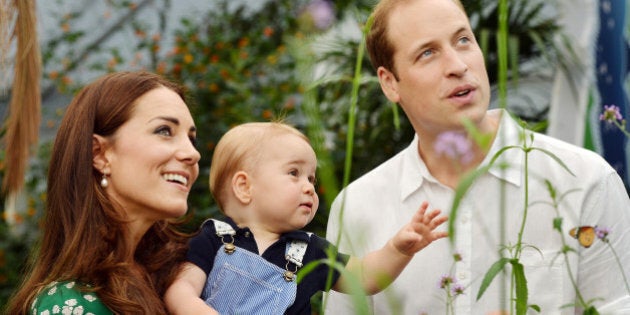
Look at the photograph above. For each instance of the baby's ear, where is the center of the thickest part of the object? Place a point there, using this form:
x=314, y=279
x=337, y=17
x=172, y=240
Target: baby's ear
x=241, y=187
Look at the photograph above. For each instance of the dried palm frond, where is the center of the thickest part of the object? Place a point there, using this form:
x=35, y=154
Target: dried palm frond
x=22, y=125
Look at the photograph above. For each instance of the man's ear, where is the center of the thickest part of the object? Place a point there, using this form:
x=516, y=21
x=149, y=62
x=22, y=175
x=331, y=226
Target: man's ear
x=389, y=84
x=241, y=187
x=99, y=158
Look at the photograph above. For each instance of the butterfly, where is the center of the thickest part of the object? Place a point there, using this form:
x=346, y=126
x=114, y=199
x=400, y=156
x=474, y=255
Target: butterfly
x=584, y=234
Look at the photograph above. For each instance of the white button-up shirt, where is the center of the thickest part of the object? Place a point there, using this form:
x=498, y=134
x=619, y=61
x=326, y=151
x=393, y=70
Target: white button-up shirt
x=488, y=220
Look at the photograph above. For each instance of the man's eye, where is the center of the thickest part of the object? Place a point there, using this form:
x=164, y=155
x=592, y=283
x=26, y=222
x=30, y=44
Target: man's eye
x=464, y=40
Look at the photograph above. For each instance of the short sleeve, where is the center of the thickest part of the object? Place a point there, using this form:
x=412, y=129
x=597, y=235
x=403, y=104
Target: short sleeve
x=64, y=298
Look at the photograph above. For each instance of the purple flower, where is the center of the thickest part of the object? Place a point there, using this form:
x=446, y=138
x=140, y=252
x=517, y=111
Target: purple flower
x=457, y=256
x=602, y=233
x=322, y=13
x=455, y=145
x=611, y=114
x=457, y=289
x=445, y=281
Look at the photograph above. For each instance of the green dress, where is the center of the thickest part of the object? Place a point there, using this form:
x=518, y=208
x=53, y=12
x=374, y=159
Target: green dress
x=64, y=299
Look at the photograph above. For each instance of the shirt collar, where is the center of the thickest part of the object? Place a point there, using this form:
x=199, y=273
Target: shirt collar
x=414, y=171
x=508, y=134
x=291, y=235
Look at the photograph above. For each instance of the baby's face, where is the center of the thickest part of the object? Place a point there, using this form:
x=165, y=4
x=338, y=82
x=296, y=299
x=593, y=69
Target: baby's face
x=283, y=183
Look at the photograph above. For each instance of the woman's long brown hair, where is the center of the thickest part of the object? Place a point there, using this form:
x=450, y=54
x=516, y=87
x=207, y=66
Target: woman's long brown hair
x=83, y=233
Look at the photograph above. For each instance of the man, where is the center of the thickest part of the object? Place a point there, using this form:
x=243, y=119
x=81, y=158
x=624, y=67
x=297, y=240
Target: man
x=429, y=62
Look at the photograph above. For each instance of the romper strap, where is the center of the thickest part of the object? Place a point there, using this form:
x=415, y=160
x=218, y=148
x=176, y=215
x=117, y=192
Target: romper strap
x=295, y=251
x=223, y=228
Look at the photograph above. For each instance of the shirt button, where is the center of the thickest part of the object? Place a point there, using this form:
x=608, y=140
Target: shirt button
x=464, y=218
x=247, y=234
x=462, y=275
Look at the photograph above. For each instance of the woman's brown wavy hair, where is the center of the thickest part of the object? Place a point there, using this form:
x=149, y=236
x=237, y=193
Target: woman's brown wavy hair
x=83, y=232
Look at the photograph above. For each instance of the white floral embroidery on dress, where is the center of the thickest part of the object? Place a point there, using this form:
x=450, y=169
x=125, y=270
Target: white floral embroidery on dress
x=70, y=285
x=90, y=298
x=46, y=312
x=56, y=309
x=69, y=308
x=52, y=290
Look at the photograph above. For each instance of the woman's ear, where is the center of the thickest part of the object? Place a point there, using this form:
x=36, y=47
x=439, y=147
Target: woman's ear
x=389, y=84
x=241, y=187
x=99, y=147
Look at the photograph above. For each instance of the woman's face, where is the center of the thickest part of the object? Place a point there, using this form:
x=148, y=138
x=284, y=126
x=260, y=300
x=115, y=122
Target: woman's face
x=152, y=160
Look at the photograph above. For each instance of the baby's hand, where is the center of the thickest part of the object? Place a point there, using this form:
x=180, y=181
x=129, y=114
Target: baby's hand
x=419, y=233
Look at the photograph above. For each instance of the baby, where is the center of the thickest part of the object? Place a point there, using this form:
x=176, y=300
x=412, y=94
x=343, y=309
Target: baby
x=263, y=178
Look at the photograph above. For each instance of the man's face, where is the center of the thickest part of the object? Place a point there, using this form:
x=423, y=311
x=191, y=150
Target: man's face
x=441, y=73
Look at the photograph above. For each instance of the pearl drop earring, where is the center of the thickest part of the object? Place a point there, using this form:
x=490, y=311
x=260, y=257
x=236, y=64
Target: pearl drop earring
x=104, y=182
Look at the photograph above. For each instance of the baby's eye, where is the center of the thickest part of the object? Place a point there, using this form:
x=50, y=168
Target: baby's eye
x=193, y=140
x=312, y=179
x=294, y=172
x=164, y=131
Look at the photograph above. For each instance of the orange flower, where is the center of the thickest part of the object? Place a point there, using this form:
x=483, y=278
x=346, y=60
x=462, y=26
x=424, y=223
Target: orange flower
x=214, y=59
x=65, y=27
x=53, y=75
x=19, y=219
x=213, y=87
x=243, y=42
x=66, y=80
x=224, y=74
x=161, y=67
x=188, y=58
x=268, y=31
x=140, y=33
x=267, y=114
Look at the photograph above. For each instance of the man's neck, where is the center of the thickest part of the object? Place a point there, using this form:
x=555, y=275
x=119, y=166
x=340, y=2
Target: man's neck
x=449, y=171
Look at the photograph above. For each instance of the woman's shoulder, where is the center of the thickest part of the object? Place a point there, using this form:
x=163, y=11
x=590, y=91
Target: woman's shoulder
x=67, y=298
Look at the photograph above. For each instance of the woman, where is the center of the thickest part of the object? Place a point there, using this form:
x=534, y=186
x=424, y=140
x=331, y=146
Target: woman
x=121, y=169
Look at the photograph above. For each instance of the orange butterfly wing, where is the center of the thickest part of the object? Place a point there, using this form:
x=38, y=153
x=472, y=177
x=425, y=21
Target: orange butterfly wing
x=584, y=234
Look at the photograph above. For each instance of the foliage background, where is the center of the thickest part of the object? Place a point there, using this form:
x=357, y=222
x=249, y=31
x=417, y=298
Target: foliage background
x=244, y=65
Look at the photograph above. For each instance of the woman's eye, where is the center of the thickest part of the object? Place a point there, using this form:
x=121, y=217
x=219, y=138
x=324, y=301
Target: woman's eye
x=193, y=140
x=164, y=131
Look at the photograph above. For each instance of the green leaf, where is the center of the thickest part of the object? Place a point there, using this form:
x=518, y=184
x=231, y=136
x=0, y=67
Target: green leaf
x=553, y=156
x=535, y=307
x=557, y=224
x=591, y=310
x=490, y=274
x=520, y=283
